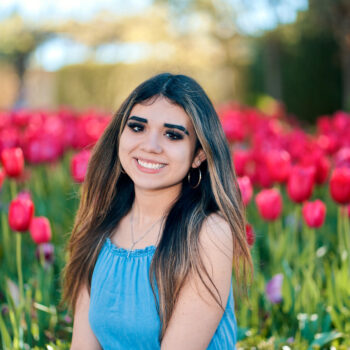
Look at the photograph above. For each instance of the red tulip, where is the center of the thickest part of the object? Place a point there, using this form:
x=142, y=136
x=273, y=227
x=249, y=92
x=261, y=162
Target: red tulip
x=2, y=177
x=21, y=211
x=300, y=183
x=339, y=185
x=278, y=164
x=250, y=234
x=342, y=158
x=40, y=230
x=246, y=188
x=233, y=126
x=314, y=213
x=269, y=203
x=243, y=162
x=79, y=165
x=13, y=161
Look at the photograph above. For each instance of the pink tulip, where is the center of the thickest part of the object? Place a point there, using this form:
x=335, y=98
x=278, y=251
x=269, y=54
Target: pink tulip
x=339, y=185
x=40, y=230
x=9, y=137
x=246, y=188
x=243, y=161
x=79, y=165
x=13, y=161
x=21, y=211
x=2, y=176
x=233, y=126
x=269, y=203
x=250, y=234
x=342, y=158
x=279, y=165
x=314, y=213
x=301, y=183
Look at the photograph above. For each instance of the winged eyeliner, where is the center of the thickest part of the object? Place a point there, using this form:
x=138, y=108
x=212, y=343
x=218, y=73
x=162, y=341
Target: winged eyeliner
x=173, y=126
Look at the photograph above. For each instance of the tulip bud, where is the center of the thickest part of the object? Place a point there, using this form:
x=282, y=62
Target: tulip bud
x=79, y=165
x=314, y=213
x=246, y=188
x=300, y=183
x=339, y=185
x=250, y=235
x=21, y=211
x=40, y=230
x=269, y=203
x=13, y=161
x=278, y=164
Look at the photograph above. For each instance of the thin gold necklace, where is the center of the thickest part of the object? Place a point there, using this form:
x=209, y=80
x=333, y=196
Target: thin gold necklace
x=132, y=231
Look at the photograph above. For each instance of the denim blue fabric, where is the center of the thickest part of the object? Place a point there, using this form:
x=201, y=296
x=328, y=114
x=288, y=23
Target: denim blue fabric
x=122, y=311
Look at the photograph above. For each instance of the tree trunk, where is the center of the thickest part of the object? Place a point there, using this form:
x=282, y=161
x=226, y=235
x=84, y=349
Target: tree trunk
x=272, y=68
x=345, y=61
x=20, y=65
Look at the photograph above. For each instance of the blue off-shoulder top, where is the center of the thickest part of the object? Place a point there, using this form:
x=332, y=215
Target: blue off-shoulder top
x=122, y=311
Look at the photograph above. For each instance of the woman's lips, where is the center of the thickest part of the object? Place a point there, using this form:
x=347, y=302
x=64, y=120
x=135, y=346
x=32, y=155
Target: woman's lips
x=148, y=170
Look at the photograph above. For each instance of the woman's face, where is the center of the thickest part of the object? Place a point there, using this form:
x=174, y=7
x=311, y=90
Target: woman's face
x=157, y=145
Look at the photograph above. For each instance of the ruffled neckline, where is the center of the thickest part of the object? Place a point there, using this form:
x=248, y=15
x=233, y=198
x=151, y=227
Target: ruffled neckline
x=149, y=250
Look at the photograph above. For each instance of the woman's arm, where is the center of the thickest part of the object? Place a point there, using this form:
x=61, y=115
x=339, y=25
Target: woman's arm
x=83, y=336
x=194, y=320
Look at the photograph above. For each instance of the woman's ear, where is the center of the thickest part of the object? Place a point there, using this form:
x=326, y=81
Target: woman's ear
x=199, y=158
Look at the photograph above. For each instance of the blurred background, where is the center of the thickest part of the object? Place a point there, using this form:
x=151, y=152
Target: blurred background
x=91, y=54
x=269, y=66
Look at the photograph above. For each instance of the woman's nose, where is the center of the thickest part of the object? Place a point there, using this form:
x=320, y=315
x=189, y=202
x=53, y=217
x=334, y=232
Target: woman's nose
x=152, y=143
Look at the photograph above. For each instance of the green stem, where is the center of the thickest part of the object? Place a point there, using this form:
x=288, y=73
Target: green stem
x=340, y=233
x=6, y=240
x=312, y=245
x=19, y=265
x=13, y=189
x=296, y=228
x=346, y=231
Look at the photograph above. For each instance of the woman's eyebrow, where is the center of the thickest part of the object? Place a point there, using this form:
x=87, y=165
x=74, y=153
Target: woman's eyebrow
x=173, y=126
x=180, y=127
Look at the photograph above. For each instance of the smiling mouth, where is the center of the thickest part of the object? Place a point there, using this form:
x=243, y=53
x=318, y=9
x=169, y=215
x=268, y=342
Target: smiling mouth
x=150, y=165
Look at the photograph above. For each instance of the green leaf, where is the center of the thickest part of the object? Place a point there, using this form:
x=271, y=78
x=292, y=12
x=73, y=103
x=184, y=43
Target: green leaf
x=5, y=336
x=325, y=338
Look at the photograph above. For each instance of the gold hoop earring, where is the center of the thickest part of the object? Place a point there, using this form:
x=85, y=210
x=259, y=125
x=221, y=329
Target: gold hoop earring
x=199, y=178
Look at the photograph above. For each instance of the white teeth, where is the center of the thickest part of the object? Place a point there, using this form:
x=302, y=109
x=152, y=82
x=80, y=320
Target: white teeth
x=150, y=165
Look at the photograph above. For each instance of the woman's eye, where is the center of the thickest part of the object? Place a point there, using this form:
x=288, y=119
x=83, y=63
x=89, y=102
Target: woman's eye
x=135, y=127
x=174, y=135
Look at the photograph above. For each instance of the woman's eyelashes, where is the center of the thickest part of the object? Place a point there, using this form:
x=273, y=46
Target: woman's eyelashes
x=173, y=135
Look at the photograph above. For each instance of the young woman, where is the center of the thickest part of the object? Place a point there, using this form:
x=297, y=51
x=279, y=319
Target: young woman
x=160, y=224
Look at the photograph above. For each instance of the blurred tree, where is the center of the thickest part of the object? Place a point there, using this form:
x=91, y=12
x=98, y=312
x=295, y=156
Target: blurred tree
x=220, y=16
x=310, y=61
x=18, y=40
x=335, y=16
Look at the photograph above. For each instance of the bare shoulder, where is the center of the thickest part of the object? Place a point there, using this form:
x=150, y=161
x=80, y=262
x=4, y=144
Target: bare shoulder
x=216, y=237
x=199, y=296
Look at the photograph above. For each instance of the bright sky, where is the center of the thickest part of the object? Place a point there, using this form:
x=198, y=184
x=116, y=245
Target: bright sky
x=57, y=52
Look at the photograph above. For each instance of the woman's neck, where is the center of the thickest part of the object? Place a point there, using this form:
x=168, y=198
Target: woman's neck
x=150, y=205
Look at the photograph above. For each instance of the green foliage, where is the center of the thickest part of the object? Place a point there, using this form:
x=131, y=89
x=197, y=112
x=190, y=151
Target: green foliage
x=309, y=63
x=315, y=308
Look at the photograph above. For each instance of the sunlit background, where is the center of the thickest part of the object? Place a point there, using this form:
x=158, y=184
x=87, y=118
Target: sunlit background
x=92, y=54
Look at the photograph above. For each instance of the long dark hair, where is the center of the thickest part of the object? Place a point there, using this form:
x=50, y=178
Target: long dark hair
x=177, y=253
